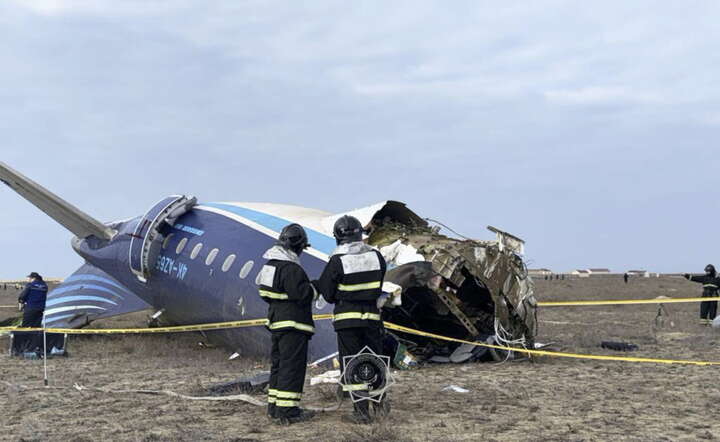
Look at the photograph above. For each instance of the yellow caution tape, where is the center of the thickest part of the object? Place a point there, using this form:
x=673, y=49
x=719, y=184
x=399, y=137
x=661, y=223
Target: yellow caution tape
x=625, y=302
x=389, y=325
x=580, y=303
x=173, y=329
x=400, y=328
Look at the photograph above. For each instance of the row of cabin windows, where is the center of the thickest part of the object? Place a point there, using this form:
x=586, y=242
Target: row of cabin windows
x=229, y=261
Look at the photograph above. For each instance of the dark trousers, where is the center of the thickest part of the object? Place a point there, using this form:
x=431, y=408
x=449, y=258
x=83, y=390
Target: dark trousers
x=32, y=317
x=708, y=310
x=287, y=373
x=351, y=341
x=29, y=341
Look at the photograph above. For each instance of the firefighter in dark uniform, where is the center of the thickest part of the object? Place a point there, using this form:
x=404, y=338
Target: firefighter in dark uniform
x=352, y=280
x=284, y=285
x=33, y=298
x=711, y=284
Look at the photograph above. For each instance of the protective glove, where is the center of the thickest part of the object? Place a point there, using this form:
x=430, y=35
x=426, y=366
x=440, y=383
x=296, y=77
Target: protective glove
x=382, y=300
x=392, y=292
x=687, y=276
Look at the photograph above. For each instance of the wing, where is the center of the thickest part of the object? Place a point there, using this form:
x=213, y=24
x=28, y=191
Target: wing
x=69, y=216
x=87, y=295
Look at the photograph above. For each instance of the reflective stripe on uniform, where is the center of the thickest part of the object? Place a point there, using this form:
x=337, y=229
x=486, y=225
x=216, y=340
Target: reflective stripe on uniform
x=710, y=286
x=271, y=399
x=358, y=287
x=272, y=392
x=288, y=395
x=356, y=315
x=363, y=262
x=355, y=387
x=266, y=276
x=273, y=295
x=293, y=324
x=286, y=403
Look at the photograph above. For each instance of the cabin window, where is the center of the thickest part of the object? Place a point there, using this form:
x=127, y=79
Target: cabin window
x=211, y=256
x=166, y=243
x=196, y=251
x=181, y=246
x=246, y=269
x=228, y=263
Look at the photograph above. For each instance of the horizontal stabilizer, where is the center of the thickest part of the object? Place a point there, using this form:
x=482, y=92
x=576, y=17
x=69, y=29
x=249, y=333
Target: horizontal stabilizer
x=87, y=295
x=69, y=216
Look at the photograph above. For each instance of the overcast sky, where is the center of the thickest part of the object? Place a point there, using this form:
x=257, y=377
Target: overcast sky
x=590, y=129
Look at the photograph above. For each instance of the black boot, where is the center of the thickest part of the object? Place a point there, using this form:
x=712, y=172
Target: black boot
x=381, y=409
x=272, y=411
x=341, y=394
x=360, y=414
x=293, y=415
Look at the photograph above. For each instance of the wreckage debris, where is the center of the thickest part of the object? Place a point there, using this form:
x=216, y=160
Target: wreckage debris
x=25, y=343
x=466, y=289
x=248, y=385
x=618, y=346
x=454, y=389
x=329, y=377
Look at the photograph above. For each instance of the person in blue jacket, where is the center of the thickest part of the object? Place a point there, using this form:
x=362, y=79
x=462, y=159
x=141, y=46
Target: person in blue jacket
x=33, y=299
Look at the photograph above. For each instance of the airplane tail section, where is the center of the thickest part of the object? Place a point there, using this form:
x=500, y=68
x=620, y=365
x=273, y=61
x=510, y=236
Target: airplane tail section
x=87, y=295
x=69, y=216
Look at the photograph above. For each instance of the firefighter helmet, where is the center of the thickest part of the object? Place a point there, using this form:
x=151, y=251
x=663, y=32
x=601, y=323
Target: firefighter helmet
x=710, y=270
x=347, y=229
x=293, y=237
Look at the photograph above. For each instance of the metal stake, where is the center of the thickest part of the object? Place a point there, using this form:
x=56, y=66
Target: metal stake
x=45, y=355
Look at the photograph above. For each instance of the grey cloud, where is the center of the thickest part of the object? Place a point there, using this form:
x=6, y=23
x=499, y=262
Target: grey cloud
x=566, y=123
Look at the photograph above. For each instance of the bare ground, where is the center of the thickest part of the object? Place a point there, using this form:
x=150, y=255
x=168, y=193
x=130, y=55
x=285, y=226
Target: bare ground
x=550, y=399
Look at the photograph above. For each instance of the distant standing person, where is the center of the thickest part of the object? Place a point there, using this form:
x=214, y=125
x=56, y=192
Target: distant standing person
x=711, y=283
x=626, y=277
x=33, y=299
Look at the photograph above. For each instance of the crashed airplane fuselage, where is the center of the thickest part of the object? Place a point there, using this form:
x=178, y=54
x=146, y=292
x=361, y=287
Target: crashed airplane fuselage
x=196, y=263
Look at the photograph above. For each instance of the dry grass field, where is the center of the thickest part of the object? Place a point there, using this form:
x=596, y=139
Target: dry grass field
x=549, y=399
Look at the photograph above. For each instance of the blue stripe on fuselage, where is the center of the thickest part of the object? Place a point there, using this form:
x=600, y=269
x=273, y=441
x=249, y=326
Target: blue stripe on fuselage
x=63, y=299
x=319, y=241
x=79, y=286
x=57, y=318
x=95, y=278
